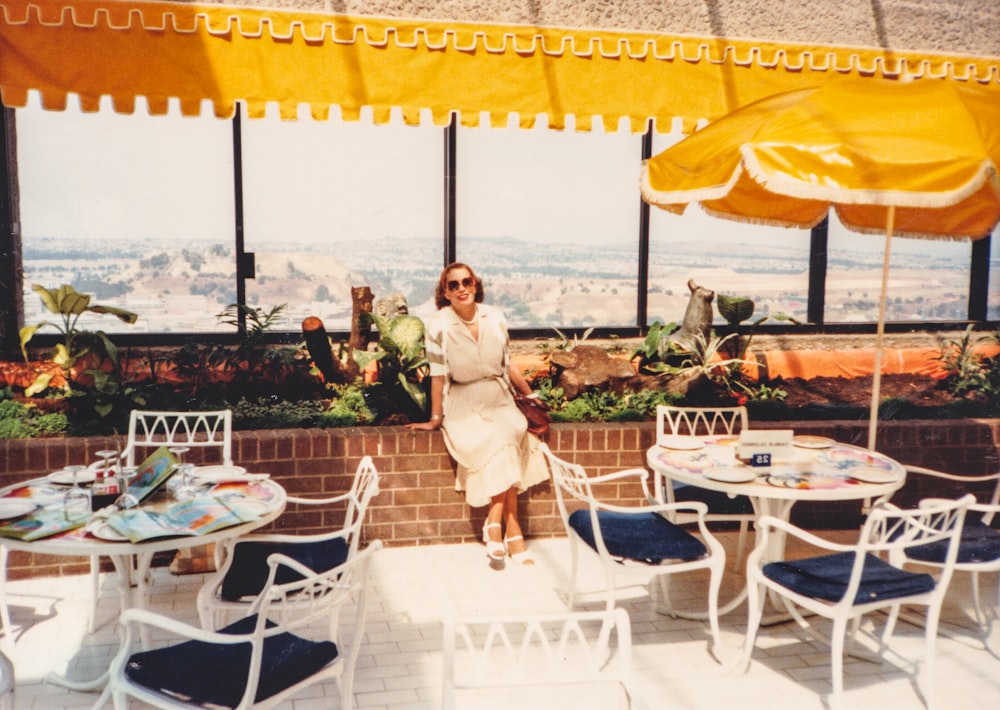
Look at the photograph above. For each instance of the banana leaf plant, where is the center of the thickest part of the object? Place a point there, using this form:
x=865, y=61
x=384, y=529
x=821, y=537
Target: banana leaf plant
x=69, y=305
x=401, y=363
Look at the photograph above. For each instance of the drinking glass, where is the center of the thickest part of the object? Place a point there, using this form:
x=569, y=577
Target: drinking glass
x=127, y=500
x=76, y=502
x=187, y=489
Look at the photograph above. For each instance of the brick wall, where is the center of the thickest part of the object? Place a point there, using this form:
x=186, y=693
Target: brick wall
x=418, y=504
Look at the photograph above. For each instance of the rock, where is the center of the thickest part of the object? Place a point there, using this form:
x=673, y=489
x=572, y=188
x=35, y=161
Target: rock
x=587, y=367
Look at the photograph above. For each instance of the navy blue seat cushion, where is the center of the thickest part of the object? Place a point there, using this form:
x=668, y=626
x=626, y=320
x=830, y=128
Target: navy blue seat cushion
x=717, y=501
x=639, y=536
x=979, y=543
x=826, y=577
x=248, y=573
x=216, y=674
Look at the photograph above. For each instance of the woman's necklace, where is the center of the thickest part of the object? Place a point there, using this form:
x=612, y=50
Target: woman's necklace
x=472, y=321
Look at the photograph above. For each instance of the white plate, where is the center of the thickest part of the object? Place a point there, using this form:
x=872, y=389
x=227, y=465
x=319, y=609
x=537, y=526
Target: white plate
x=65, y=478
x=682, y=443
x=808, y=441
x=872, y=475
x=731, y=474
x=14, y=507
x=252, y=506
x=218, y=474
x=102, y=531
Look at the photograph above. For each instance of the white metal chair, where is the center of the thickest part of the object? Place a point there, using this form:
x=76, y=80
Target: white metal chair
x=634, y=543
x=849, y=581
x=6, y=683
x=281, y=647
x=242, y=568
x=673, y=421
x=150, y=430
x=198, y=431
x=573, y=659
x=979, y=544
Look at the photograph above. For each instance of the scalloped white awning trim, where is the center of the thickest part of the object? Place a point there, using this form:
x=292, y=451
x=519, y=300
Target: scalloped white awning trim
x=191, y=52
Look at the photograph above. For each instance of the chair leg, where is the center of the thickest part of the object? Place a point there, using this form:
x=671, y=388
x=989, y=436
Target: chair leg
x=755, y=611
x=930, y=638
x=837, y=636
x=714, y=585
x=574, y=556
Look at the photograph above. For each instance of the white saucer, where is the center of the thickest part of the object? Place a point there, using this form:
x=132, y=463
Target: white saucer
x=102, y=531
x=14, y=507
x=731, y=474
x=872, y=475
x=809, y=441
x=65, y=478
x=681, y=443
x=218, y=474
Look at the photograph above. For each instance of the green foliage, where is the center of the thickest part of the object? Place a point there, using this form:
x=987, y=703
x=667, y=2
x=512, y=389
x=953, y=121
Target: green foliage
x=402, y=365
x=273, y=413
x=967, y=373
x=69, y=305
x=23, y=421
x=347, y=409
x=602, y=406
x=659, y=354
x=735, y=310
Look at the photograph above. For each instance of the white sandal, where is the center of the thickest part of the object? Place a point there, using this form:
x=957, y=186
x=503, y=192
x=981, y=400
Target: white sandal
x=495, y=549
x=524, y=557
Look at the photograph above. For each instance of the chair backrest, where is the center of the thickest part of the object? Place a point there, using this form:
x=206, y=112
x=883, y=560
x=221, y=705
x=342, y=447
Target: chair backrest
x=315, y=606
x=148, y=430
x=699, y=421
x=986, y=488
x=583, y=659
x=364, y=487
x=889, y=531
x=570, y=481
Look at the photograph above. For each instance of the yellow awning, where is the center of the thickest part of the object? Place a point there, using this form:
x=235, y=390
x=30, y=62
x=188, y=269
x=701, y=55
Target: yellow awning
x=223, y=54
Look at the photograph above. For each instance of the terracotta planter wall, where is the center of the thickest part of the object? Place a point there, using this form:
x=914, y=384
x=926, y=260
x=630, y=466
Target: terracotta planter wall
x=419, y=506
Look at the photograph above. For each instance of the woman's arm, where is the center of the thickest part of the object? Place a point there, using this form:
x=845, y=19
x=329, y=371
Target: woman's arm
x=437, y=406
x=517, y=380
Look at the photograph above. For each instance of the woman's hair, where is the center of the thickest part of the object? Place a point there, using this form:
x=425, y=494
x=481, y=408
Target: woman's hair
x=442, y=283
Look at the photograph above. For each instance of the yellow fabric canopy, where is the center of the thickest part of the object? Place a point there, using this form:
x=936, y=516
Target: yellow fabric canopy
x=192, y=53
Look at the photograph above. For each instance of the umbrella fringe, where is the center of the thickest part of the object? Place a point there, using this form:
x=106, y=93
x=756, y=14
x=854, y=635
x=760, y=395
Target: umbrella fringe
x=764, y=221
x=881, y=198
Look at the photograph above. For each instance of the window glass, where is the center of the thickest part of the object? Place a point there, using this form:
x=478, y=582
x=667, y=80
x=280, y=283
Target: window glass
x=769, y=265
x=136, y=211
x=550, y=220
x=993, y=299
x=928, y=278
x=331, y=205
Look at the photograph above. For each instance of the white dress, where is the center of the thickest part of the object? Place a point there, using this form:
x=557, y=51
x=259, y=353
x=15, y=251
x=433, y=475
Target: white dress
x=483, y=429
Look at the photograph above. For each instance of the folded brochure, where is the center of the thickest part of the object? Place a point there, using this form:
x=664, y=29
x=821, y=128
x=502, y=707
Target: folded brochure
x=199, y=516
x=44, y=522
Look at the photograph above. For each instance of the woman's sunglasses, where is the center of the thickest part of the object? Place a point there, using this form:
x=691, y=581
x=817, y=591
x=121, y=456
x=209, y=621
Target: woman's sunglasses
x=468, y=282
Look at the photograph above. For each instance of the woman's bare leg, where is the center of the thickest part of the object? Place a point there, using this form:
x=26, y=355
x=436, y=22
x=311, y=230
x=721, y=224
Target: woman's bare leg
x=514, y=537
x=493, y=530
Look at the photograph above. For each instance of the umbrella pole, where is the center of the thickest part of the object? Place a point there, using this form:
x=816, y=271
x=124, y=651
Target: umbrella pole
x=890, y=221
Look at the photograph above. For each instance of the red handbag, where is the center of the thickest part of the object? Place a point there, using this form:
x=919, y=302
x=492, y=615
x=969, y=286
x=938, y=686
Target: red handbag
x=535, y=411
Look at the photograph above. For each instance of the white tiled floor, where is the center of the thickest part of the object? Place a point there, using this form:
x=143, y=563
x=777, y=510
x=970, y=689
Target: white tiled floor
x=415, y=587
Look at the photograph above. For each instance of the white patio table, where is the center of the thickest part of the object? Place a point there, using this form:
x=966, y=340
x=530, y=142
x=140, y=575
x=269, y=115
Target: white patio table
x=820, y=469
x=259, y=495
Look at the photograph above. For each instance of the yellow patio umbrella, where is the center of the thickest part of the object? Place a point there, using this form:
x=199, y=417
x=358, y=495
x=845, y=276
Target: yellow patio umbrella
x=916, y=158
